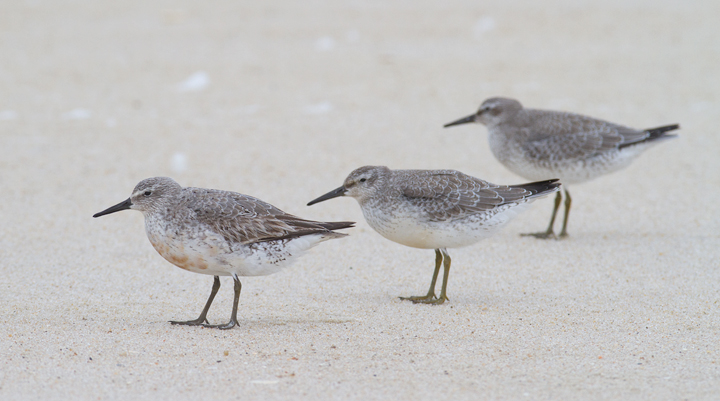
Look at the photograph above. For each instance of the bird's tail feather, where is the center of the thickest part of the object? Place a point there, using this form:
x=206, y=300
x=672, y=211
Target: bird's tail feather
x=655, y=134
x=540, y=188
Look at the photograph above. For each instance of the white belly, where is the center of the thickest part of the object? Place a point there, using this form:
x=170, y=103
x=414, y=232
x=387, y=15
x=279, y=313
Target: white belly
x=419, y=232
x=569, y=171
x=209, y=253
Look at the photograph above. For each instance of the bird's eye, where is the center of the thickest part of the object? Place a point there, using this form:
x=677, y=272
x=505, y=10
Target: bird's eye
x=363, y=179
x=147, y=193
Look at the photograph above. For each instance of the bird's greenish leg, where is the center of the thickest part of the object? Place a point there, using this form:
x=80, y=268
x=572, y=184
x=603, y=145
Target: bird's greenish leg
x=568, y=203
x=431, y=292
x=549, y=233
x=203, y=315
x=443, y=292
x=446, y=273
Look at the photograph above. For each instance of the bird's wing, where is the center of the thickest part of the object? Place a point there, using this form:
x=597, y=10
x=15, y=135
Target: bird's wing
x=565, y=136
x=449, y=195
x=245, y=219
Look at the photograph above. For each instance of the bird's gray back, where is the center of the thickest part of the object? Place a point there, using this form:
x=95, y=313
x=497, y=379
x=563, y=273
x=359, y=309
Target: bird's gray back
x=243, y=218
x=554, y=135
x=448, y=194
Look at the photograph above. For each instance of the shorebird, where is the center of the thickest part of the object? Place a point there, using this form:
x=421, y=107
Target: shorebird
x=221, y=233
x=435, y=209
x=542, y=144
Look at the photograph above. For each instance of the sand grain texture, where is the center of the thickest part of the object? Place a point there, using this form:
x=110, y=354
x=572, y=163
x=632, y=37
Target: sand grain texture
x=281, y=100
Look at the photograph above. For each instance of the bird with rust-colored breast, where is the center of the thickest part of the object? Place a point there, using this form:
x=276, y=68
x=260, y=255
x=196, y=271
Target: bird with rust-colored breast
x=221, y=233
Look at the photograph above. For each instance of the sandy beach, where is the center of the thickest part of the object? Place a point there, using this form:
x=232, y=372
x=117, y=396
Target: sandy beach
x=281, y=100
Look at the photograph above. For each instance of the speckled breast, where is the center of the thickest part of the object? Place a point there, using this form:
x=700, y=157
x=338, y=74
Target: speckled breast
x=192, y=253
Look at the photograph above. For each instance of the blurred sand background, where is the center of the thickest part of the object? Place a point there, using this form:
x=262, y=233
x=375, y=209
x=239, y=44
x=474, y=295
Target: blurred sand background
x=281, y=100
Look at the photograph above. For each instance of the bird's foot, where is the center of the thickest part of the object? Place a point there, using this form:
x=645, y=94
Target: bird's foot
x=541, y=235
x=426, y=299
x=196, y=322
x=229, y=325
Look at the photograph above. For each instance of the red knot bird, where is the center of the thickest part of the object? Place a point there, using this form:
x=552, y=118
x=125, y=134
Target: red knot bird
x=221, y=233
x=435, y=209
x=542, y=144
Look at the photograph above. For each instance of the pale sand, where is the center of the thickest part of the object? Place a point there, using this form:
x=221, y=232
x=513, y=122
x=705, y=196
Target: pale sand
x=298, y=95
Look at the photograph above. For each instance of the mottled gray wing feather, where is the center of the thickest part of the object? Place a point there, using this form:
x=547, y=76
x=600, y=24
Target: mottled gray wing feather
x=245, y=219
x=449, y=195
x=559, y=136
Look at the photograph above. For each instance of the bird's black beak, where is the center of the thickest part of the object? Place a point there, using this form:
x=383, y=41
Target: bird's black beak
x=332, y=194
x=464, y=120
x=124, y=205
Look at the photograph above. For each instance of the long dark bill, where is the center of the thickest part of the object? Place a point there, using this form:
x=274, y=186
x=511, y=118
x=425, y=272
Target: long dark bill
x=464, y=120
x=124, y=205
x=332, y=194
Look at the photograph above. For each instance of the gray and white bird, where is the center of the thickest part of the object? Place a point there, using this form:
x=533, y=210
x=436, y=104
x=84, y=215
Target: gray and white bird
x=221, y=233
x=435, y=209
x=541, y=144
